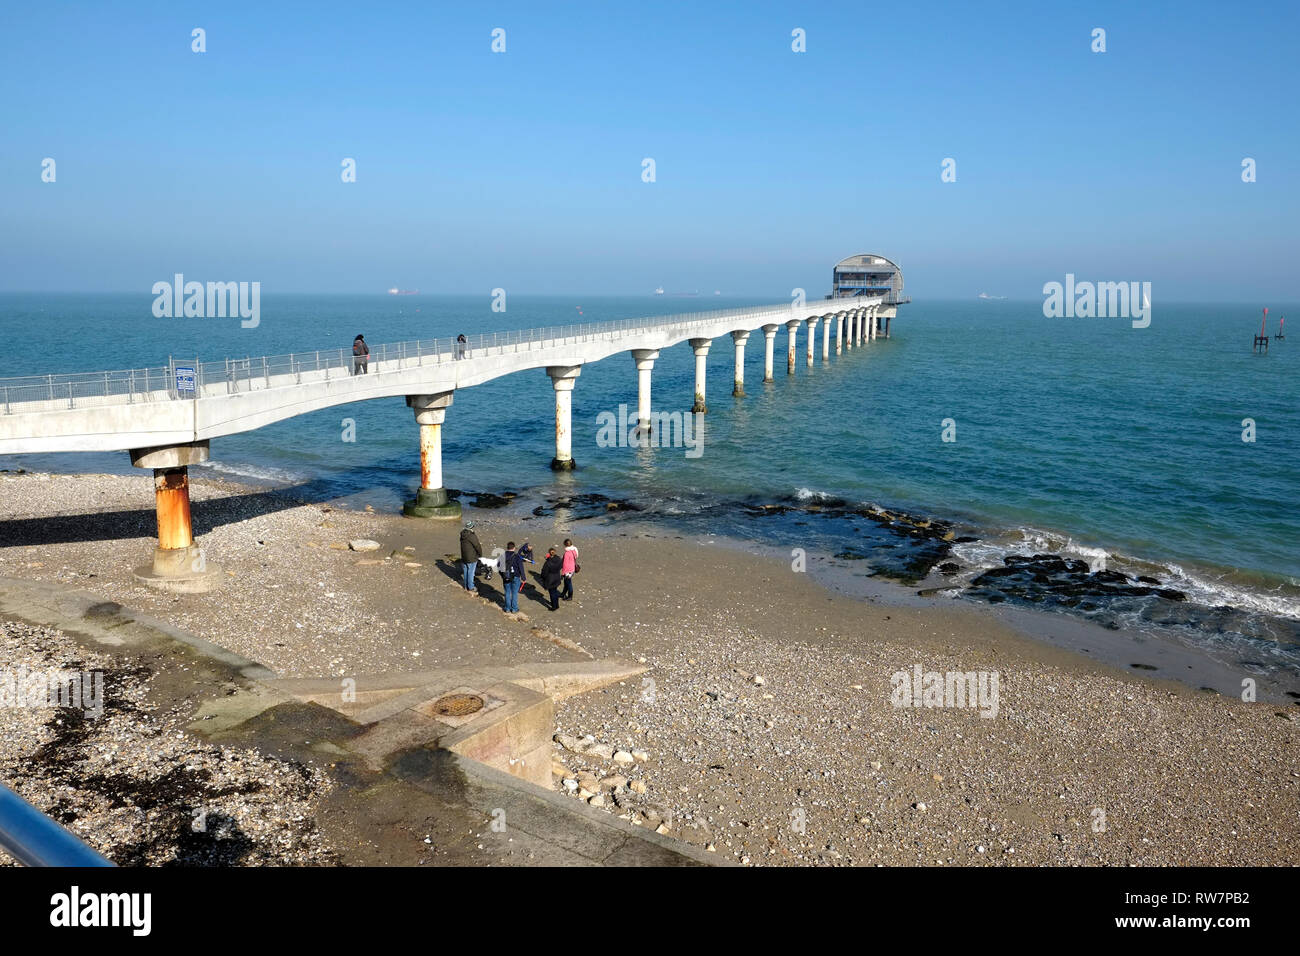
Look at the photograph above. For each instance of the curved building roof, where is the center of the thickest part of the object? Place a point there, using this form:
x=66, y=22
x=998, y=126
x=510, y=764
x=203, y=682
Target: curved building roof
x=867, y=275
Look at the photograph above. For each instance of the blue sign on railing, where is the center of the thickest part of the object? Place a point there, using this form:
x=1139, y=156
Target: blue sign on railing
x=184, y=380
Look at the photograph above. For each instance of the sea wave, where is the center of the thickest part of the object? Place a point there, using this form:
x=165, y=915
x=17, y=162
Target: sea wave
x=1206, y=587
x=260, y=474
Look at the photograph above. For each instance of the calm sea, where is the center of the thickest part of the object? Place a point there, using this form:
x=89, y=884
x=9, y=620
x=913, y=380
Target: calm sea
x=1084, y=438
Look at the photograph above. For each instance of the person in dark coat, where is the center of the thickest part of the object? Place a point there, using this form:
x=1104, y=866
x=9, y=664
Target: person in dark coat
x=512, y=577
x=360, y=356
x=552, y=576
x=470, y=552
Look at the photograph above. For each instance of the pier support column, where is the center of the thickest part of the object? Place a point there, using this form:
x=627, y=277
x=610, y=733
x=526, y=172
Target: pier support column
x=740, y=338
x=178, y=564
x=701, y=347
x=793, y=328
x=871, y=327
x=430, y=500
x=860, y=326
x=826, y=338
x=850, y=322
x=812, y=337
x=769, y=333
x=839, y=332
x=563, y=377
x=645, y=362
x=888, y=318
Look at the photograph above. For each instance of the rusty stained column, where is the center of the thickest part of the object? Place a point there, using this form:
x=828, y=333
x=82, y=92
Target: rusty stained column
x=826, y=339
x=178, y=564
x=172, y=497
x=431, y=499
x=793, y=328
x=812, y=338
x=563, y=378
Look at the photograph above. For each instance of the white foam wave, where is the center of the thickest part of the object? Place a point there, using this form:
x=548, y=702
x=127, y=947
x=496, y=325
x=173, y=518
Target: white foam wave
x=259, y=473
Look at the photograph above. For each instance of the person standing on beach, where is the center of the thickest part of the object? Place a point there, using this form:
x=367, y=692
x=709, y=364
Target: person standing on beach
x=551, y=576
x=470, y=552
x=568, y=567
x=360, y=356
x=512, y=577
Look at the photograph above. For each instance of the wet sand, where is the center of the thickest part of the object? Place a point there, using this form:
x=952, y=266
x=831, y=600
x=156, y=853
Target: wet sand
x=766, y=712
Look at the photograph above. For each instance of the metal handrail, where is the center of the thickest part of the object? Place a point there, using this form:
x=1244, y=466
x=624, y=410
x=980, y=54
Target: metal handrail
x=158, y=383
x=33, y=839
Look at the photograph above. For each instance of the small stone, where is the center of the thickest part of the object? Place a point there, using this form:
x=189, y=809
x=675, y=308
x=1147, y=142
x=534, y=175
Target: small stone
x=596, y=800
x=637, y=786
x=640, y=756
x=572, y=744
x=571, y=785
x=759, y=681
x=875, y=765
x=614, y=782
x=623, y=758
x=920, y=806
x=363, y=544
x=603, y=751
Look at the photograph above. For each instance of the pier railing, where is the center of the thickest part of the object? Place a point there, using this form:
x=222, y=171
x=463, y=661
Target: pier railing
x=33, y=839
x=182, y=379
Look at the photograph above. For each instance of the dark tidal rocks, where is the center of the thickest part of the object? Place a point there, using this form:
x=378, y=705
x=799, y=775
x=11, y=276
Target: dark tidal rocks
x=1065, y=582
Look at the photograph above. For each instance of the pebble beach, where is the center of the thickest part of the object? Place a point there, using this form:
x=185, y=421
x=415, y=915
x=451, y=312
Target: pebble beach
x=763, y=729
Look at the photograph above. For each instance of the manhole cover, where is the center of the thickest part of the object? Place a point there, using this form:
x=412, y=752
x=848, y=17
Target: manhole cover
x=457, y=705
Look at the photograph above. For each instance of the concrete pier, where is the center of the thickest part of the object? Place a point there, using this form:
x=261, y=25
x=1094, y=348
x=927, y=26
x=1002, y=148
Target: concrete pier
x=430, y=499
x=645, y=363
x=826, y=337
x=839, y=332
x=812, y=337
x=701, y=348
x=739, y=338
x=793, y=328
x=563, y=378
x=178, y=564
x=769, y=334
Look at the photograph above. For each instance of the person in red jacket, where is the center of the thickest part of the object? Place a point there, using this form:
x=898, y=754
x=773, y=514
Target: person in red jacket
x=568, y=567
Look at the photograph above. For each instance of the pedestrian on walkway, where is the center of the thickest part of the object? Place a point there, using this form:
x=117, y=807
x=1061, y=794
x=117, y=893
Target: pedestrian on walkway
x=568, y=568
x=360, y=356
x=551, y=576
x=470, y=552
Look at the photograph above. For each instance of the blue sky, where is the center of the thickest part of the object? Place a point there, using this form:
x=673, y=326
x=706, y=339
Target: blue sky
x=523, y=169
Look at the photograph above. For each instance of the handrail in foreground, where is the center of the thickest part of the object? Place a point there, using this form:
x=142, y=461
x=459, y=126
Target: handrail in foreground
x=33, y=839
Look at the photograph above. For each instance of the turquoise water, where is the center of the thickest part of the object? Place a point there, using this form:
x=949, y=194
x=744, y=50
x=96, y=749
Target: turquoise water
x=1075, y=436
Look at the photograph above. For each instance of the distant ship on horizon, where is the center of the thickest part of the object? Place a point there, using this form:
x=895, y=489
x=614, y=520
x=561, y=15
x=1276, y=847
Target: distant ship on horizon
x=985, y=295
x=396, y=291
x=659, y=290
